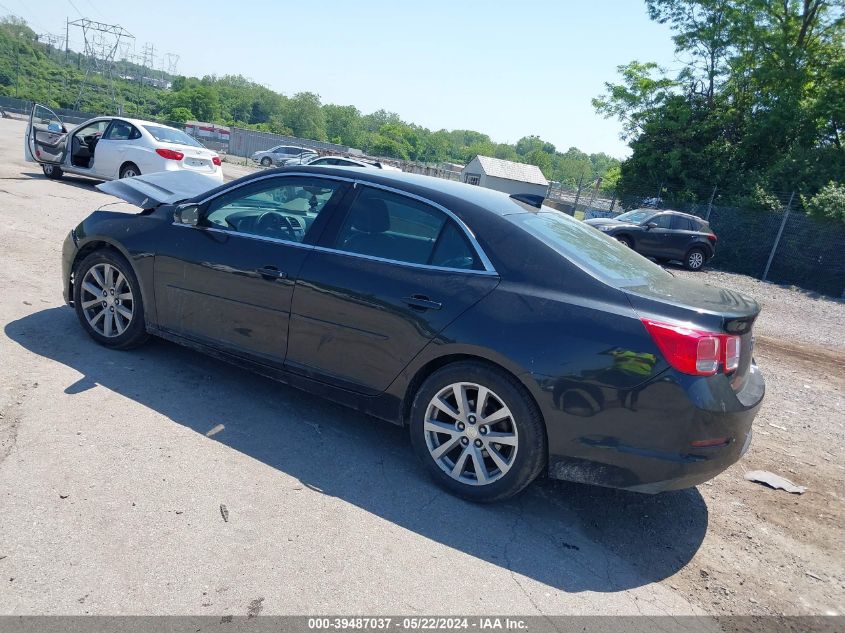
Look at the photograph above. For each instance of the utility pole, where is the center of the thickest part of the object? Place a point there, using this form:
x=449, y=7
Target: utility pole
x=578, y=195
x=710, y=204
x=777, y=238
x=67, y=39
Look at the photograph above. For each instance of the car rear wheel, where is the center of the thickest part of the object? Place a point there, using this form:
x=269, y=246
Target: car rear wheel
x=107, y=299
x=266, y=162
x=625, y=240
x=129, y=170
x=478, y=432
x=695, y=259
x=52, y=171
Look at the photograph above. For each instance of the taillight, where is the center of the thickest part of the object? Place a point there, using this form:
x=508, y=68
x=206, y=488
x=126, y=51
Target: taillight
x=694, y=352
x=712, y=237
x=216, y=160
x=731, y=353
x=170, y=154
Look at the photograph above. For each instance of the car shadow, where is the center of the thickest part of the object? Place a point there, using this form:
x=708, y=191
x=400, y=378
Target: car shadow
x=74, y=181
x=569, y=536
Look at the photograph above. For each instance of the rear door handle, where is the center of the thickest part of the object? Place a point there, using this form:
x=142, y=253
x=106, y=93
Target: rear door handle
x=271, y=272
x=422, y=302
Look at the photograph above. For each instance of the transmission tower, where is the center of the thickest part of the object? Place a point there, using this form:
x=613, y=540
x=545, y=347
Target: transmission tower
x=170, y=62
x=101, y=45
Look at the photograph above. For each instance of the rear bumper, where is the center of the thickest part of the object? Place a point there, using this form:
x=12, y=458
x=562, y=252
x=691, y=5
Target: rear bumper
x=643, y=440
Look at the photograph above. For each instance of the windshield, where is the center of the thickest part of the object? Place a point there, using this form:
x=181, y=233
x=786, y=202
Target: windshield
x=169, y=135
x=595, y=252
x=637, y=216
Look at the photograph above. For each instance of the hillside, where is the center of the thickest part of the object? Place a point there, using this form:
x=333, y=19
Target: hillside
x=33, y=70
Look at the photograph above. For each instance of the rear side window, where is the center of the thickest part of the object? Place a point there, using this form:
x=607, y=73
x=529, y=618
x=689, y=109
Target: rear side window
x=122, y=131
x=598, y=254
x=680, y=223
x=391, y=226
x=170, y=135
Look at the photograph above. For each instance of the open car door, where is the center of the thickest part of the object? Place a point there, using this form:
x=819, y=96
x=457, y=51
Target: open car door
x=46, y=137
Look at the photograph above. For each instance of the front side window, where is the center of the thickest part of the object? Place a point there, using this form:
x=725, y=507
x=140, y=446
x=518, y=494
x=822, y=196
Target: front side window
x=93, y=129
x=662, y=221
x=281, y=208
x=391, y=226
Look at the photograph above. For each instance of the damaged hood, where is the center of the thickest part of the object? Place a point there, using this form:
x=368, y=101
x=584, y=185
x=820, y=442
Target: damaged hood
x=164, y=187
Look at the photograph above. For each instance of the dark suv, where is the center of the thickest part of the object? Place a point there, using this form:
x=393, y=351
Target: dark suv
x=663, y=235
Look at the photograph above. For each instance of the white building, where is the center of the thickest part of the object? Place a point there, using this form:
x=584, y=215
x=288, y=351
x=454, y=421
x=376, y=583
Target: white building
x=506, y=176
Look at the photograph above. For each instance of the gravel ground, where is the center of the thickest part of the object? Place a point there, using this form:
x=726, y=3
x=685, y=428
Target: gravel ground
x=110, y=487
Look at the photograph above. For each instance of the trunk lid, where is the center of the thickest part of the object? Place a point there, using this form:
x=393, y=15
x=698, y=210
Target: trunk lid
x=197, y=159
x=164, y=187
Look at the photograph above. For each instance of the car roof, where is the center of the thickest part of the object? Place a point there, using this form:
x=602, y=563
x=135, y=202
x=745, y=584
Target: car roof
x=439, y=190
x=671, y=211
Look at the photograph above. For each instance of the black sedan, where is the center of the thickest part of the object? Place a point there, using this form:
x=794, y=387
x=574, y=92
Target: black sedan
x=664, y=235
x=511, y=339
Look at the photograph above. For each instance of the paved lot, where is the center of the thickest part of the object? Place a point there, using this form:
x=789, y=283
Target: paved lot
x=111, y=490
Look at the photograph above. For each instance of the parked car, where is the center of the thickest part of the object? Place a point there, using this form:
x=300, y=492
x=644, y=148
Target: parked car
x=342, y=161
x=510, y=338
x=283, y=155
x=110, y=147
x=664, y=235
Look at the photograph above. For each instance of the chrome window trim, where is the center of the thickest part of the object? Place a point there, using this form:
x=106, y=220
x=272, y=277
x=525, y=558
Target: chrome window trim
x=334, y=251
x=482, y=256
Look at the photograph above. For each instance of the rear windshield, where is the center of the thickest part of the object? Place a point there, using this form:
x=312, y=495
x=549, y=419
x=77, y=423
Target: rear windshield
x=169, y=135
x=592, y=250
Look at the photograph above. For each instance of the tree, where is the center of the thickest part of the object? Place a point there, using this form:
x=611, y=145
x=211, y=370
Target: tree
x=828, y=203
x=305, y=116
x=758, y=105
x=180, y=115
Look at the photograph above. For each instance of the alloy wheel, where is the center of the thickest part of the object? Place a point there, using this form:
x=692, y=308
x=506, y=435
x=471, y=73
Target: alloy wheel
x=471, y=434
x=107, y=300
x=695, y=260
x=129, y=173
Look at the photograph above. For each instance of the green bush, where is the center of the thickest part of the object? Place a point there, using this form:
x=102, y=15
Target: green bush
x=828, y=203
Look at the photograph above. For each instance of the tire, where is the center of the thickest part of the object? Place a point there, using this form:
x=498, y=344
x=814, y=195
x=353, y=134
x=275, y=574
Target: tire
x=88, y=274
x=52, y=171
x=695, y=259
x=129, y=170
x=624, y=239
x=266, y=161
x=522, y=457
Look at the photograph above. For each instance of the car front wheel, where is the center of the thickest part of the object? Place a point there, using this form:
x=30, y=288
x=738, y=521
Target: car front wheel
x=107, y=299
x=625, y=240
x=478, y=432
x=52, y=171
x=265, y=162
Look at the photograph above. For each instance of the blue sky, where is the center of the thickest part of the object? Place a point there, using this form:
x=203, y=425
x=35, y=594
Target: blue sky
x=507, y=69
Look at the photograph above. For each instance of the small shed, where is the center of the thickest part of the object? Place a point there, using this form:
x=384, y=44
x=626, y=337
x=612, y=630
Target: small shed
x=506, y=176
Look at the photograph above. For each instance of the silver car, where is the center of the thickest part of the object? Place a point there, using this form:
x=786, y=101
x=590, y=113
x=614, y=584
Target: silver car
x=283, y=155
x=342, y=161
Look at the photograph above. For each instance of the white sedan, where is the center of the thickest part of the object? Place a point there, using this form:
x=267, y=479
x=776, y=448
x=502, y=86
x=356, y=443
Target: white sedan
x=112, y=147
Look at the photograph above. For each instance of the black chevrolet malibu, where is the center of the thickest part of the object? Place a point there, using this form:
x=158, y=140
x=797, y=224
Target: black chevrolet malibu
x=511, y=339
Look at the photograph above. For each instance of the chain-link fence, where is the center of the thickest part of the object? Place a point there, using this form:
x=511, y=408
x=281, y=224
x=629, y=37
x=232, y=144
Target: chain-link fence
x=777, y=242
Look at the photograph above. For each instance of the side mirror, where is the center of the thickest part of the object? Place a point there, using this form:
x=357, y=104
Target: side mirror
x=187, y=214
x=650, y=225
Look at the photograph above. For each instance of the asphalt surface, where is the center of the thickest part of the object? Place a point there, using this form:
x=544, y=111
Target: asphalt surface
x=115, y=466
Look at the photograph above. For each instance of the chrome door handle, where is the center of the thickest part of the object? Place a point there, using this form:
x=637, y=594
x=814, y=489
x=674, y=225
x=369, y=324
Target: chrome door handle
x=421, y=302
x=271, y=272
